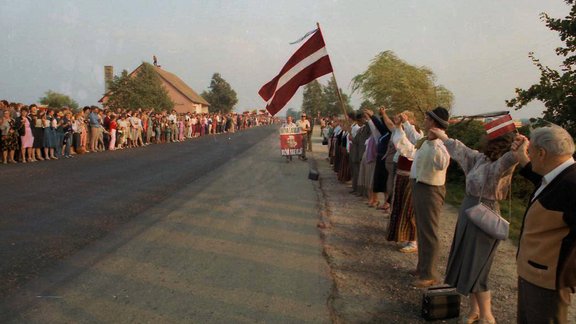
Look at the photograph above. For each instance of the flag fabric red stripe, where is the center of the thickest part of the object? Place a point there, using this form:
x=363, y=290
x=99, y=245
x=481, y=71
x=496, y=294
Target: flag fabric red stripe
x=499, y=127
x=497, y=122
x=308, y=63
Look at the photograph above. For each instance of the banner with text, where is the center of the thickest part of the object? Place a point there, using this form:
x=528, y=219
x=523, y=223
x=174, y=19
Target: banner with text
x=290, y=141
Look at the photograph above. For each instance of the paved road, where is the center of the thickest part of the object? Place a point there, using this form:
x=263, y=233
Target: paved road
x=219, y=229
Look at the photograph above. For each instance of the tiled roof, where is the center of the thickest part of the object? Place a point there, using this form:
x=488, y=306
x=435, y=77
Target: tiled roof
x=181, y=86
x=176, y=82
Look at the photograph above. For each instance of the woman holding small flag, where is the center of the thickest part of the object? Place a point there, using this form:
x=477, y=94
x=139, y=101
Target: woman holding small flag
x=488, y=177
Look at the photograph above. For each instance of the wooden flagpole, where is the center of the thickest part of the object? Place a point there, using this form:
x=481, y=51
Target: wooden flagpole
x=337, y=88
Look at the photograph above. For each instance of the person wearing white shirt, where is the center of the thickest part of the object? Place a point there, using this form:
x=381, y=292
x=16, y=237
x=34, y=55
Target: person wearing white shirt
x=172, y=118
x=428, y=176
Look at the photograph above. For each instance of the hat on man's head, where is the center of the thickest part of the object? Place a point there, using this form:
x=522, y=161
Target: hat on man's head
x=440, y=115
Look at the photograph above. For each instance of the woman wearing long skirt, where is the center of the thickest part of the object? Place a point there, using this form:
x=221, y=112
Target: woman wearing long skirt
x=402, y=225
x=380, y=172
x=336, y=147
x=368, y=164
x=488, y=176
x=344, y=173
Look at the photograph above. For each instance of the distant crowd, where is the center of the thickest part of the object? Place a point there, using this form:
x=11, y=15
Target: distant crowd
x=32, y=133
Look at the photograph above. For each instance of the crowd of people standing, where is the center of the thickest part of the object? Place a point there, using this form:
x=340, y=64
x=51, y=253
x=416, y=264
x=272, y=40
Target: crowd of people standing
x=401, y=168
x=33, y=133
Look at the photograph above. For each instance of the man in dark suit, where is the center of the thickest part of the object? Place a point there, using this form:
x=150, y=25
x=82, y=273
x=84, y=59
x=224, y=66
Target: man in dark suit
x=546, y=259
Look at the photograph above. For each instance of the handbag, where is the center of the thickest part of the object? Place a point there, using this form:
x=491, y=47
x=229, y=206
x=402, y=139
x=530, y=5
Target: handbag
x=324, y=141
x=488, y=220
x=440, y=302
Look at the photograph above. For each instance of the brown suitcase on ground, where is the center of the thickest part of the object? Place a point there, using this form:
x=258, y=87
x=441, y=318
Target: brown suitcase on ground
x=440, y=302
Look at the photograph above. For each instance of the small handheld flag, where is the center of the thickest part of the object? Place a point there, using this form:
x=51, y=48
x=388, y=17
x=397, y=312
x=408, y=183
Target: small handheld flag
x=499, y=127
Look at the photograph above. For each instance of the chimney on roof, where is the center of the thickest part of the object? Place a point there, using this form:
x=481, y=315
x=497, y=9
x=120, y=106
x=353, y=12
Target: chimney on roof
x=108, y=76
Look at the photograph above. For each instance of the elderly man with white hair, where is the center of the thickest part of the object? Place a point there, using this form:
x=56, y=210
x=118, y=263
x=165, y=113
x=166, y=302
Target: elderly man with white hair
x=546, y=259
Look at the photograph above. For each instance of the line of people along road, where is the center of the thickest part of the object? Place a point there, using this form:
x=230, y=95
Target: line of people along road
x=401, y=168
x=32, y=133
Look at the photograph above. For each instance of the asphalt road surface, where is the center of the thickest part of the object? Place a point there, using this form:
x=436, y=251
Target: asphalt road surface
x=219, y=229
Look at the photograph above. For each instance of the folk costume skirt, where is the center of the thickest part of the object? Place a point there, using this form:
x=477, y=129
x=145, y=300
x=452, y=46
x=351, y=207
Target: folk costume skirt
x=402, y=225
x=344, y=172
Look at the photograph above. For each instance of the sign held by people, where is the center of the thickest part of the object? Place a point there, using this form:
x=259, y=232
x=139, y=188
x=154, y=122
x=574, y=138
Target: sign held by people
x=290, y=141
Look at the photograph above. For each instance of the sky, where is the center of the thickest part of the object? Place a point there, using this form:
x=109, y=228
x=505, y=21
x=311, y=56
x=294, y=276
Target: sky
x=477, y=49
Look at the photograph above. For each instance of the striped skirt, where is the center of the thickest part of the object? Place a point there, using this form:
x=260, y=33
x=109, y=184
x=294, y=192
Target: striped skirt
x=402, y=225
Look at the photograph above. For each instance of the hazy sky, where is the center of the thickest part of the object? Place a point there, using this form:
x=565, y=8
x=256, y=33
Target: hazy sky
x=477, y=49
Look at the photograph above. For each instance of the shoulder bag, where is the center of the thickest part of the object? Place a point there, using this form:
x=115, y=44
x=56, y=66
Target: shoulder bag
x=488, y=220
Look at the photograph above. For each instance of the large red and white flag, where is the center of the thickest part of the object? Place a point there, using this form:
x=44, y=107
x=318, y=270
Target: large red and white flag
x=310, y=62
x=500, y=126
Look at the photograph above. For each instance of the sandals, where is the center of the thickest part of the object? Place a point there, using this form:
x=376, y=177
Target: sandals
x=469, y=319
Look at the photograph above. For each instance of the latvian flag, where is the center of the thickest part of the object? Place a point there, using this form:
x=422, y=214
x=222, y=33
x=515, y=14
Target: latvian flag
x=499, y=127
x=310, y=62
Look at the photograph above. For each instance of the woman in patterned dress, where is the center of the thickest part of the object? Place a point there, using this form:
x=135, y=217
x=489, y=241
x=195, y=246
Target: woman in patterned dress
x=9, y=138
x=488, y=177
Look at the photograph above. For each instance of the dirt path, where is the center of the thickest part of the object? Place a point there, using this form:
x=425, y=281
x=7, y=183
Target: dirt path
x=372, y=278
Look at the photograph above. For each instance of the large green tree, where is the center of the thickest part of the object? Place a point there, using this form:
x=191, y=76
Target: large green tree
x=333, y=105
x=556, y=89
x=142, y=90
x=313, y=101
x=400, y=86
x=57, y=100
x=220, y=95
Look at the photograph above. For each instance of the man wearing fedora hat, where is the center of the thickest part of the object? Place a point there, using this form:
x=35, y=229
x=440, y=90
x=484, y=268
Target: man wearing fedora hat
x=428, y=176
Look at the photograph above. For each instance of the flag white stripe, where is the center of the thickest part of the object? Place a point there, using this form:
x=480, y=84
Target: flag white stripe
x=493, y=129
x=306, y=62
